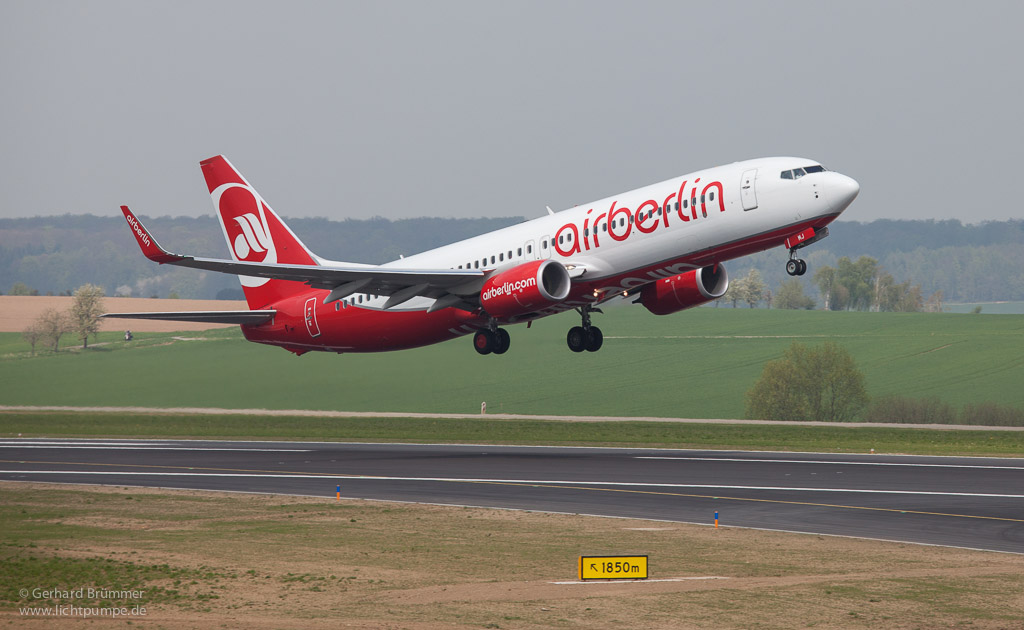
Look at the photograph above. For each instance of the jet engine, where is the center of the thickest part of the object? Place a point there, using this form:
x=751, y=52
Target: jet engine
x=686, y=290
x=525, y=288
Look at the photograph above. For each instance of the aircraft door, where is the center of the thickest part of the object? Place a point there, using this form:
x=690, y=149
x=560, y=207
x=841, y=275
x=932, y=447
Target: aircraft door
x=529, y=251
x=310, y=316
x=747, y=191
x=545, y=247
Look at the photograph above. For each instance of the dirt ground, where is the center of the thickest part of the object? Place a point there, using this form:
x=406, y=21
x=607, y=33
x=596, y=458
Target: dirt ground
x=17, y=312
x=311, y=563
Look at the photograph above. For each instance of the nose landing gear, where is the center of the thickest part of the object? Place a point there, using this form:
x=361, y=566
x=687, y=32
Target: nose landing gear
x=795, y=266
x=585, y=337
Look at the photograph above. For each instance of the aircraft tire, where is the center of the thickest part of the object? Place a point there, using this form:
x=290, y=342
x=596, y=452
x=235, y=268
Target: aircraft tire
x=792, y=268
x=576, y=339
x=483, y=342
x=595, y=339
x=502, y=341
x=803, y=267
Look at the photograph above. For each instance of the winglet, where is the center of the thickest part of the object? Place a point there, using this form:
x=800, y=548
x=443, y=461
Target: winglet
x=149, y=246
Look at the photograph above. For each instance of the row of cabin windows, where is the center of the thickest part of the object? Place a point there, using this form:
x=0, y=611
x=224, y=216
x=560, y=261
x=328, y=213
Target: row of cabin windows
x=476, y=264
x=567, y=238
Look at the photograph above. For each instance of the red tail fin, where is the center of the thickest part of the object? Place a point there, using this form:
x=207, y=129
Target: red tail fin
x=254, y=232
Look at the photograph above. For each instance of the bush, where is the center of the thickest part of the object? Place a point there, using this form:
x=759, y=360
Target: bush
x=901, y=410
x=820, y=383
x=911, y=411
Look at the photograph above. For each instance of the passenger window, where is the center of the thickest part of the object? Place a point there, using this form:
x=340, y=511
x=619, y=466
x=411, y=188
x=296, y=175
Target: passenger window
x=501, y=257
x=711, y=196
x=686, y=203
x=604, y=227
x=510, y=254
x=545, y=244
x=529, y=248
x=492, y=260
x=702, y=199
x=476, y=264
x=519, y=252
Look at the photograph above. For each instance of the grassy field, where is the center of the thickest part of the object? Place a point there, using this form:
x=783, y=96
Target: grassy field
x=840, y=439
x=696, y=364
x=216, y=560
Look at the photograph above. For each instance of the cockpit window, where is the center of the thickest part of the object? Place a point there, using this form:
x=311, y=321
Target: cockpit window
x=797, y=173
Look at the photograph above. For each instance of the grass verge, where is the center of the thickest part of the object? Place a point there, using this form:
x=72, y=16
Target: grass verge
x=839, y=439
x=209, y=559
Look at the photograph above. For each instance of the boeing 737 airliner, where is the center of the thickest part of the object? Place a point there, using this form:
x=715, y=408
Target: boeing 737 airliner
x=662, y=245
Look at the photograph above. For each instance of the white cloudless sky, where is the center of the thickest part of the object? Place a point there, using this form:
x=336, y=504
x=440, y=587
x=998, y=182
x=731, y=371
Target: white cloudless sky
x=466, y=109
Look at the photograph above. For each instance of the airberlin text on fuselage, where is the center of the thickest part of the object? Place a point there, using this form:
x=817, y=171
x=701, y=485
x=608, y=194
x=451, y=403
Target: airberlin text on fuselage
x=509, y=288
x=137, y=229
x=646, y=211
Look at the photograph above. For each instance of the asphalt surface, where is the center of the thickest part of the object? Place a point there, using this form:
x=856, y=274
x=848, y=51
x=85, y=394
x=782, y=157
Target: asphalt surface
x=962, y=502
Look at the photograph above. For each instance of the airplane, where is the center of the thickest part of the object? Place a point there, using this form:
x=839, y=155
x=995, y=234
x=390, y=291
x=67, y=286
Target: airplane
x=662, y=245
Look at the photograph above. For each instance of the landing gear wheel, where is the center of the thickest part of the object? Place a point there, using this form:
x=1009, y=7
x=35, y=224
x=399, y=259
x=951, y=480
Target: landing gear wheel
x=577, y=339
x=793, y=267
x=803, y=267
x=501, y=341
x=594, y=339
x=484, y=341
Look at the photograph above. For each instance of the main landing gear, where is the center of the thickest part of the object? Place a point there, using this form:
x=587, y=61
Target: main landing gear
x=795, y=266
x=490, y=340
x=585, y=337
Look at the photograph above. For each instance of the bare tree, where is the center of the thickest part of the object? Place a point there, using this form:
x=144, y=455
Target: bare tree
x=86, y=311
x=753, y=288
x=33, y=334
x=54, y=324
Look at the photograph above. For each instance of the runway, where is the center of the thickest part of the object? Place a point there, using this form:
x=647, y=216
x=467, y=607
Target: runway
x=973, y=503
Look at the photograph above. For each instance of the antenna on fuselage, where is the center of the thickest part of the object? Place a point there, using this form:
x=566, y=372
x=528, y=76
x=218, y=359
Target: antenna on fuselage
x=550, y=211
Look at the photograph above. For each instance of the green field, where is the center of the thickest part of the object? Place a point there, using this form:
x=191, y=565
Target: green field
x=696, y=364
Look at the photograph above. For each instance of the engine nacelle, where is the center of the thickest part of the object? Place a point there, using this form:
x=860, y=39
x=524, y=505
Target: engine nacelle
x=525, y=288
x=686, y=290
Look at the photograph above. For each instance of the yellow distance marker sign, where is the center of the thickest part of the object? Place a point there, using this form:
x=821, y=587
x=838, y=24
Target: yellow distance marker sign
x=613, y=567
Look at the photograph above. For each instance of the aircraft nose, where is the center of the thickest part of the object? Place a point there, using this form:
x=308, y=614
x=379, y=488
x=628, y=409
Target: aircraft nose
x=841, y=191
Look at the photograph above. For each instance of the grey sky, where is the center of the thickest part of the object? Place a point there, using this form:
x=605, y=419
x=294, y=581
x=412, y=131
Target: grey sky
x=499, y=108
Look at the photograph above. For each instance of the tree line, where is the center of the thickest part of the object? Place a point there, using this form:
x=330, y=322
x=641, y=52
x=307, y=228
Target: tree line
x=861, y=285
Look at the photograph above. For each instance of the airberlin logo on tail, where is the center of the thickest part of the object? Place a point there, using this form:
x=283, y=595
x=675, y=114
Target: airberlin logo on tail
x=139, y=232
x=253, y=239
x=509, y=288
x=243, y=215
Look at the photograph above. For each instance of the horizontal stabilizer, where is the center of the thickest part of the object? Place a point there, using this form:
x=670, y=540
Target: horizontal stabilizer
x=205, y=317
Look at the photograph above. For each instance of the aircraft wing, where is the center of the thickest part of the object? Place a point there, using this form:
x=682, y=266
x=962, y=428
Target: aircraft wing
x=342, y=280
x=205, y=317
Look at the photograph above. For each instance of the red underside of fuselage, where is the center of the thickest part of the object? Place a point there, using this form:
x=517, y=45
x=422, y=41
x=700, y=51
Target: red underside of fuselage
x=359, y=329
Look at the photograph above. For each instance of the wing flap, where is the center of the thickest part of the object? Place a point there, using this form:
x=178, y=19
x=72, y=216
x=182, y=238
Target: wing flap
x=205, y=317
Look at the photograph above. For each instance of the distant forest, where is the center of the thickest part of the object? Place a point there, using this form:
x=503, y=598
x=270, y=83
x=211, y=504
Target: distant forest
x=52, y=255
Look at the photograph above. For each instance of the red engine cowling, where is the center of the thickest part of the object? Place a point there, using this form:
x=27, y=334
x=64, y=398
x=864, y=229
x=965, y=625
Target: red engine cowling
x=692, y=288
x=525, y=288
